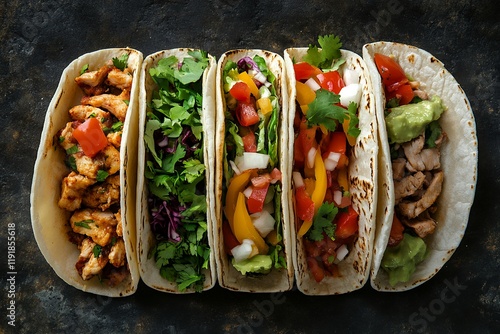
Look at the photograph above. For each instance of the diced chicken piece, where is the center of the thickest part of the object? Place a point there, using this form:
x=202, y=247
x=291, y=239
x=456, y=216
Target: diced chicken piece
x=398, y=168
x=115, y=104
x=94, y=266
x=73, y=187
x=408, y=185
x=82, y=113
x=119, y=79
x=414, y=209
x=117, y=254
x=115, y=138
x=423, y=225
x=88, y=166
x=420, y=159
x=103, y=195
x=111, y=159
x=93, y=78
x=66, y=139
x=99, y=225
x=119, y=226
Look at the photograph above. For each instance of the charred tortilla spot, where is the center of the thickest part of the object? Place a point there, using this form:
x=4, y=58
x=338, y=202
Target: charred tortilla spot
x=411, y=58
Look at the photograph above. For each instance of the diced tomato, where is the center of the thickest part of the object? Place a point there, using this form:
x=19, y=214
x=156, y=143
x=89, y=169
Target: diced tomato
x=255, y=202
x=230, y=240
x=404, y=93
x=331, y=81
x=90, y=136
x=246, y=114
x=298, y=155
x=304, y=71
x=307, y=139
x=241, y=92
x=397, y=230
x=276, y=174
x=337, y=142
x=304, y=204
x=347, y=223
x=249, y=142
x=389, y=69
x=316, y=270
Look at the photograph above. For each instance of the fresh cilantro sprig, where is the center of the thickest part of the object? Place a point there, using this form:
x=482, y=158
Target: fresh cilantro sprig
x=324, y=111
x=121, y=62
x=328, y=57
x=323, y=222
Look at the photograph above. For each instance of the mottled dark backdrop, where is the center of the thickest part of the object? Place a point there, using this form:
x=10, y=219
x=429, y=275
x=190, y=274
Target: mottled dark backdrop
x=39, y=38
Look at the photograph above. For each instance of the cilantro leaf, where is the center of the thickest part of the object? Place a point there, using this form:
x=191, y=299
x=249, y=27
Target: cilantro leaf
x=84, y=69
x=324, y=111
x=121, y=62
x=432, y=133
x=323, y=222
x=101, y=175
x=96, y=251
x=168, y=163
x=328, y=55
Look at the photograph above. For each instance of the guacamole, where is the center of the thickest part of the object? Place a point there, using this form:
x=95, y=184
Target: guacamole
x=259, y=264
x=408, y=121
x=400, y=261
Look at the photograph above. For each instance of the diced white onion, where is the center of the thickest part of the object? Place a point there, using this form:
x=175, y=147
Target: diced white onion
x=297, y=179
x=251, y=160
x=267, y=84
x=337, y=197
x=342, y=252
x=263, y=222
x=264, y=92
x=248, y=192
x=243, y=251
x=350, y=77
x=332, y=161
x=234, y=167
x=310, y=157
x=350, y=93
x=312, y=84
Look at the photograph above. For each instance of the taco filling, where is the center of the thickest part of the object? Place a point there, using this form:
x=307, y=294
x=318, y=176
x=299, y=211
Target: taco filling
x=415, y=139
x=175, y=171
x=325, y=128
x=91, y=191
x=252, y=230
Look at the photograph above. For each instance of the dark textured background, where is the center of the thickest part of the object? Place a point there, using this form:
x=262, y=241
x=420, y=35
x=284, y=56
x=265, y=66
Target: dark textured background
x=39, y=38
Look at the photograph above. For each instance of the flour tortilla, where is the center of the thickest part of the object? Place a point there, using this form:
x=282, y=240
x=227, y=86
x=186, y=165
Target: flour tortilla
x=354, y=269
x=49, y=221
x=150, y=274
x=230, y=278
x=459, y=185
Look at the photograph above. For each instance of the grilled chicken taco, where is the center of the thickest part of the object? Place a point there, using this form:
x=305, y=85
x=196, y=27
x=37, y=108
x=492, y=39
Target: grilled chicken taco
x=82, y=200
x=175, y=207
x=332, y=160
x=251, y=234
x=426, y=126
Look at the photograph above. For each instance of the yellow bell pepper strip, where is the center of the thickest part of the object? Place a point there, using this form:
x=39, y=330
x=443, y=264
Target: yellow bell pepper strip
x=305, y=94
x=243, y=227
x=265, y=106
x=345, y=125
x=243, y=76
x=237, y=185
x=318, y=195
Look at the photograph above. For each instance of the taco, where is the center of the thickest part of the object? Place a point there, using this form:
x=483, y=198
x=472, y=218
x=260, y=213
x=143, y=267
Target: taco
x=332, y=160
x=175, y=209
x=251, y=234
x=82, y=203
x=426, y=126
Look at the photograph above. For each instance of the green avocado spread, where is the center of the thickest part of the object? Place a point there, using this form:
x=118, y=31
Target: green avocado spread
x=259, y=264
x=407, y=122
x=400, y=261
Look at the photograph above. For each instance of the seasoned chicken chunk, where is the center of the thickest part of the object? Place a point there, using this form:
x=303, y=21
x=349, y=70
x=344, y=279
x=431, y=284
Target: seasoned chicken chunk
x=420, y=159
x=408, y=185
x=93, y=78
x=119, y=227
x=66, y=139
x=99, y=225
x=119, y=79
x=73, y=187
x=117, y=254
x=423, y=225
x=115, y=104
x=82, y=113
x=88, y=166
x=88, y=264
x=103, y=195
x=115, y=138
x=111, y=159
x=414, y=209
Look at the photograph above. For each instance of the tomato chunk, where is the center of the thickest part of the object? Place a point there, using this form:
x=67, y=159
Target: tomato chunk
x=331, y=81
x=304, y=71
x=230, y=240
x=241, y=92
x=90, y=136
x=389, y=69
x=404, y=94
x=255, y=202
x=397, y=230
x=246, y=114
x=304, y=204
x=249, y=141
x=347, y=223
x=316, y=270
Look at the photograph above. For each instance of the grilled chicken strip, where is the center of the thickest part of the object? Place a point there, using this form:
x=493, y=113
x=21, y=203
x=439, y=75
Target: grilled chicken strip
x=408, y=186
x=117, y=254
x=73, y=187
x=93, y=78
x=423, y=225
x=119, y=79
x=414, y=209
x=115, y=104
x=103, y=195
x=420, y=159
x=99, y=225
x=82, y=113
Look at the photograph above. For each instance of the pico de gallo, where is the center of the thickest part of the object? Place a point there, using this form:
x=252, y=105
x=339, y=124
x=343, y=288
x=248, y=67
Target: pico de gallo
x=252, y=227
x=325, y=127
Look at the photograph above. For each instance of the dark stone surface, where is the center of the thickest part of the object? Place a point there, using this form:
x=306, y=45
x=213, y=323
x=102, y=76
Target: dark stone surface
x=39, y=38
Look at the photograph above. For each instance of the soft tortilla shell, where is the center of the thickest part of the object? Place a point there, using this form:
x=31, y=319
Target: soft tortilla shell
x=459, y=185
x=150, y=274
x=354, y=269
x=230, y=278
x=49, y=222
